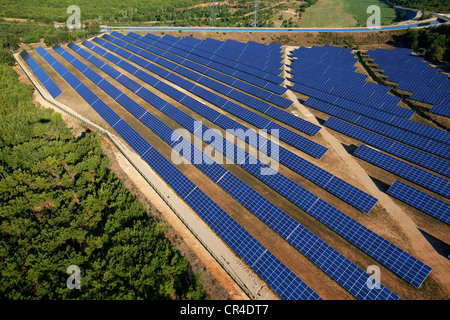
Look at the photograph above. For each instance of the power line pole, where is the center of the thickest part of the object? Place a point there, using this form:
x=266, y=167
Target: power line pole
x=213, y=14
x=255, y=21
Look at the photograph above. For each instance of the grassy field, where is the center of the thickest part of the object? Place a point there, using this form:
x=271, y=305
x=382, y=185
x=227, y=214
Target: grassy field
x=343, y=13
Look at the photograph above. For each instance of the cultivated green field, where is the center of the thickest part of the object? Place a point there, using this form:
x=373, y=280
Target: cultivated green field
x=343, y=13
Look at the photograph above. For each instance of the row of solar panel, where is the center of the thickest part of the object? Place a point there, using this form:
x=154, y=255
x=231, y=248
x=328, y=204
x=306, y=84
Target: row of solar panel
x=414, y=86
x=397, y=260
x=253, y=56
x=339, y=79
x=286, y=284
x=270, y=75
x=429, y=79
x=232, y=52
x=247, y=194
x=389, y=57
x=361, y=94
x=339, y=268
x=392, y=132
x=242, y=85
x=421, y=200
x=436, y=83
x=345, y=79
x=315, y=174
x=167, y=135
x=441, y=109
x=405, y=170
x=331, y=98
x=408, y=153
x=345, y=62
x=304, y=68
x=321, y=61
x=256, y=55
x=405, y=124
x=415, y=76
x=259, y=87
x=343, y=54
x=425, y=94
x=210, y=62
x=43, y=77
x=296, y=140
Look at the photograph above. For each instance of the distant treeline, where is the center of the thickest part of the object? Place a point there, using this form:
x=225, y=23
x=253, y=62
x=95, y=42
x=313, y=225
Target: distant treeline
x=429, y=5
x=12, y=33
x=178, y=13
x=434, y=43
x=106, y=10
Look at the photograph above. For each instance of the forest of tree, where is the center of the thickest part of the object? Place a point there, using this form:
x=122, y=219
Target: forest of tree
x=105, y=10
x=13, y=33
x=429, y=5
x=434, y=43
x=61, y=205
x=168, y=13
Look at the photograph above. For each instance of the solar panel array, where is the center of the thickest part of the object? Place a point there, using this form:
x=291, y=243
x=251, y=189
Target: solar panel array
x=397, y=260
x=217, y=174
x=276, y=274
x=337, y=266
x=317, y=90
x=251, y=57
x=332, y=262
x=296, y=140
x=441, y=109
x=387, y=130
x=43, y=77
x=241, y=95
x=226, y=59
x=255, y=76
x=331, y=71
x=329, y=182
x=405, y=170
x=415, y=75
x=383, y=116
x=408, y=153
x=421, y=200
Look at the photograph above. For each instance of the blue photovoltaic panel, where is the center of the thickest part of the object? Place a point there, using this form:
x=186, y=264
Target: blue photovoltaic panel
x=286, y=135
x=271, y=270
x=421, y=200
x=226, y=227
x=419, y=157
x=443, y=110
x=414, y=75
x=390, y=131
x=365, y=239
x=347, y=192
x=209, y=61
x=405, y=170
x=46, y=81
x=261, y=207
x=405, y=124
x=249, y=88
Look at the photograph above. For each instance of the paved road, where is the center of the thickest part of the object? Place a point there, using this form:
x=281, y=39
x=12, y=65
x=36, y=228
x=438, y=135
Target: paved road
x=399, y=27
